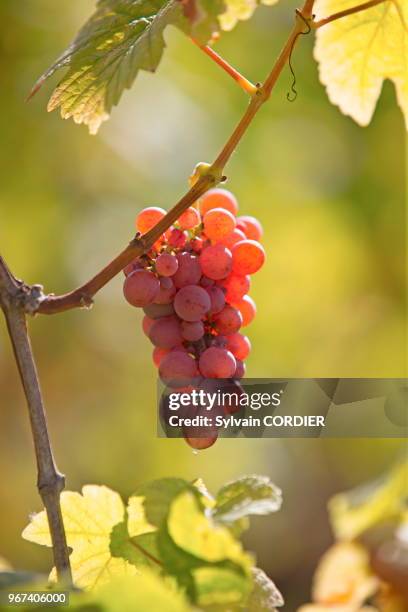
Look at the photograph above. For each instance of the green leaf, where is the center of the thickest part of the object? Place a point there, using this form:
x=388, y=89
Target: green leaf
x=358, y=52
x=247, y=495
x=120, y=38
x=240, y=10
x=156, y=498
x=357, y=511
x=265, y=595
x=220, y=586
x=197, y=534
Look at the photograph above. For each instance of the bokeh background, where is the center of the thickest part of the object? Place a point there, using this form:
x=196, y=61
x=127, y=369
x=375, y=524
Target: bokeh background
x=330, y=299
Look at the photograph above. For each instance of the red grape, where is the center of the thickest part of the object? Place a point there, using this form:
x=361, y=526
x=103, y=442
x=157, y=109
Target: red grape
x=248, y=256
x=141, y=287
x=192, y=303
x=239, y=346
x=166, y=332
x=217, y=362
x=196, y=244
x=218, y=198
x=166, y=264
x=201, y=443
x=192, y=331
x=228, y=321
x=189, y=218
x=148, y=218
x=247, y=308
x=253, y=229
x=176, y=367
x=189, y=270
x=147, y=323
x=166, y=292
x=240, y=369
x=216, y=261
x=158, y=354
x=156, y=311
x=218, y=223
x=217, y=298
x=177, y=238
x=235, y=236
x=236, y=287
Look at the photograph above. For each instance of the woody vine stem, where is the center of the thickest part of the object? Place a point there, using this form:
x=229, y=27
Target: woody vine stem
x=18, y=299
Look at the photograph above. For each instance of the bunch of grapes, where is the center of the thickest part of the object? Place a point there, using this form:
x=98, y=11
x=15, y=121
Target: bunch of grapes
x=193, y=287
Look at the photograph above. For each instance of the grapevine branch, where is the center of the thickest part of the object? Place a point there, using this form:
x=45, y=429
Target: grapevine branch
x=82, y=296
x=15, y=299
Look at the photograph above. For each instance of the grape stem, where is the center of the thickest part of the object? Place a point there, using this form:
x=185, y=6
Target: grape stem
x=242, y=81
x=16, y=299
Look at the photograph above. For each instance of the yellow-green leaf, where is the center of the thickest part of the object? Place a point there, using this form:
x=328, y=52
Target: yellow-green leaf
x=356, y=511
x=240, y=10
x=198, y=535
x=358, y=52
x=89, y=520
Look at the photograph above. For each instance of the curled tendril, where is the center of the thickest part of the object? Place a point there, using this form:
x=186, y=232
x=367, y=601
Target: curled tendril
x=292, y=94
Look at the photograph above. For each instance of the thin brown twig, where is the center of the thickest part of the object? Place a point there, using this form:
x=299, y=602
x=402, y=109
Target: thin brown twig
x=346, y=12
x=15, y=299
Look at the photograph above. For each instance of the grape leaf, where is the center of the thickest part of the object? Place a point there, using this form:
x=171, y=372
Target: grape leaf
x=120, y=38
x=90, y=520
x=265, y=595
x=240, y=10
x=356, y=53
x=247, y=495
x=355, y=512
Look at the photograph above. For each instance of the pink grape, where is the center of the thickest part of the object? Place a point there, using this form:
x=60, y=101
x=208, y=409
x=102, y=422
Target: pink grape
x=228, y=321
x=158, y=354
x=189, y=218
x=167, y=291
x=192, y=331
x=217, y=363
x=148, y=218
x=177, y=366
x=218, y=223
x=166, y=332
x=216, y=261
x=141, y=287
x=199, y=443
x=157, y=311
x=136, y=264
x=206, y=282
x=217, y=298
x=189, y=270
x=196, y=244
x=147, y=323
x=253, y=229
x=177, y=238
x=239, y=346
x=247, y=308
x=248, y=256
x=236, y=287
x=166, y=264
x=240, y=369
x=192, y=303
x=235, y=236
x=218, y=198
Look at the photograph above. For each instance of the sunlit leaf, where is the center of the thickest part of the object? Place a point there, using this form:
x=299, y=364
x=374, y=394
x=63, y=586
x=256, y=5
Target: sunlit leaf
x=240, y=10
x=265, y=596
x=91, y=523
x=120, y=38
x=247, y=495
x=356, y=511
x=356, y=53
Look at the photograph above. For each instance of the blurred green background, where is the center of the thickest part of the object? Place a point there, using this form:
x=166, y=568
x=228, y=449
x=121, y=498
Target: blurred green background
x=330, y=299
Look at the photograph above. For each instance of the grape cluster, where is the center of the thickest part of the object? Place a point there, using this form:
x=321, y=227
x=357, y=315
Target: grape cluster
x=193, y=287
